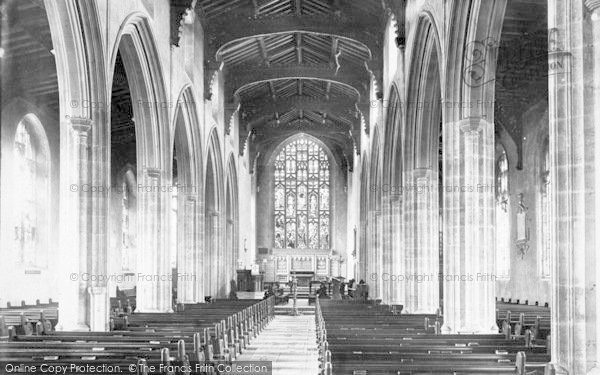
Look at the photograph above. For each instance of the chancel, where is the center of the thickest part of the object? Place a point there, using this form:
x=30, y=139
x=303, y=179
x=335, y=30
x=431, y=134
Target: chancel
x=300, y=186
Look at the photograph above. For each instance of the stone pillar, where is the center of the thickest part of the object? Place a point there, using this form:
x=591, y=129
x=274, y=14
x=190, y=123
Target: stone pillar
x=594, y=7
x=573, y=114
x=397, y=256
x=99, y=210
x=425, y=291
x=469, y=253
x=74, y=300
x=99, y=308
x=214, y=250
x=386, y=247
x=187, y=256
x=153, y=263
x=374, y=269
x=408, y=239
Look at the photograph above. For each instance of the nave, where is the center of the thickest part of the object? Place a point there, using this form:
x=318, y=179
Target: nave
x=421, y=174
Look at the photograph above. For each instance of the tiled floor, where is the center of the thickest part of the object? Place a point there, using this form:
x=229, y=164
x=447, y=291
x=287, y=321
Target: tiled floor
x=290, y=343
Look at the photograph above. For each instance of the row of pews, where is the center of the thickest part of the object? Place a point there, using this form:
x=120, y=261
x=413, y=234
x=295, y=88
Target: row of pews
x=193, y=340
x=368, y=338
x=28, y=319
x=519, y=318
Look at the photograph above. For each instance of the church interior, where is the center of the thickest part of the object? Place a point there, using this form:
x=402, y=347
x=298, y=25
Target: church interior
x=300, y=186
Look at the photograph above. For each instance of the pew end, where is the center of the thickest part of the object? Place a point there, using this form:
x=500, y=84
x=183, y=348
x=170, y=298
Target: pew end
x=142, y=367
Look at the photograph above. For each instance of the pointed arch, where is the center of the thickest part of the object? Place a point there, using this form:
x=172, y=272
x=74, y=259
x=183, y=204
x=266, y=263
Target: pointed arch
x=136, y=45
x=423, y=168
x=232, y=217
x=374, y=218
x=29, y=213
x=186, y=151
x=216, y=283
x=135, y=41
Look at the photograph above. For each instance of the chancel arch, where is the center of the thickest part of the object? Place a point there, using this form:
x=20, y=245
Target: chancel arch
x=301, y=195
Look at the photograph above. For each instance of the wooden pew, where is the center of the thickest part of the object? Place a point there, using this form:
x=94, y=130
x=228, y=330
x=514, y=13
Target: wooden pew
x=150, y=345
x=370, y=338
x=29, y=319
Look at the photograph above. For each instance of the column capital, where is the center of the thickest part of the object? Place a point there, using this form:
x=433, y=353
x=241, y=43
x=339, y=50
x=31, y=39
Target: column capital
x=592, y=5
x=80, y=124
x=192, y=198
x=419, y=173
x=471, y=124
x=152, y=172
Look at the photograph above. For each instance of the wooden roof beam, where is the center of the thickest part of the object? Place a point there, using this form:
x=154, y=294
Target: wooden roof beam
x=298, y=47
x=354, y=77
x=359, y=28
x=272, y=90
x=263, y=50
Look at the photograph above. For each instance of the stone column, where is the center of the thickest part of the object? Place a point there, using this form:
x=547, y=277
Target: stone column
x=594, y=7
x=99, y=208
x=425, y=284
x=153, y=269
x=408, y=239
x=73, y=278
x=573, y=114
x=214, y=250
x=187, y=257
x=469, y=284
x=374, y=270
x=386, y=246
x=397, y=288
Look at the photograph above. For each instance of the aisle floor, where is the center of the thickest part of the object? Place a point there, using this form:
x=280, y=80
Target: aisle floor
x=290, y=343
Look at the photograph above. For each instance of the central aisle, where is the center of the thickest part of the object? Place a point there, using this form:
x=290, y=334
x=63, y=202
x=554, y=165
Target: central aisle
x=290, y=343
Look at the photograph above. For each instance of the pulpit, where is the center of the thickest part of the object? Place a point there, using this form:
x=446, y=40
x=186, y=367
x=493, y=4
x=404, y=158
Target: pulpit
x=244, y=281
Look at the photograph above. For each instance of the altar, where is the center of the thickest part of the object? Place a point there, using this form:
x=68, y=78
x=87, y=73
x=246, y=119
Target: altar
x=304, y=278
x=317, y=265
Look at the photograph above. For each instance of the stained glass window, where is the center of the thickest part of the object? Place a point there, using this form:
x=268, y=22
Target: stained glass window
x=125, y=226
x=301, y=196
x=32, y=185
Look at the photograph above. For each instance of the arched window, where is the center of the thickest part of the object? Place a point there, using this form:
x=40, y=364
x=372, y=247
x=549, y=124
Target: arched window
x=301, y=206
x=503, y=238
x=545, y=215
x=32, y=184
x=125, y=240
x=128, y=230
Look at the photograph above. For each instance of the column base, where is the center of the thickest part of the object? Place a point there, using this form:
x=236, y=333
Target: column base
x=98, y=309
x=158, y=311
x=432, y=310
x=556, y=369
x=469, y=330
x=72, y=327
